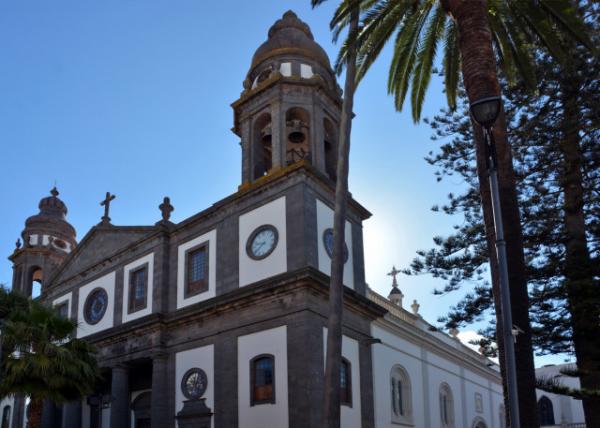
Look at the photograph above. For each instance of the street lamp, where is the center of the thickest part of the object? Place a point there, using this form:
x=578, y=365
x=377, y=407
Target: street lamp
x=485, y=111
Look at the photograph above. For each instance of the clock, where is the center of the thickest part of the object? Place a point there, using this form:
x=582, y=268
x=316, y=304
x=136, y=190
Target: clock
x=95, y=306
x=328, y=243
x=194, y=383
x=262, y=242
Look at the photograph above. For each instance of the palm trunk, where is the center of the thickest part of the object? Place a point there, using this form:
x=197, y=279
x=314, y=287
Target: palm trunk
x=331, y=402
x=34, y=413
x=480, y=79
x=582, y=293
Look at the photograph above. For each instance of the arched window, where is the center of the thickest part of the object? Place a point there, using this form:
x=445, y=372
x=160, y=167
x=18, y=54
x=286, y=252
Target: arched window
x=6, y=417
x=546, y=411
x=262, y=379
x=479, y=423
x=401, y=395
x=297, y=127
x=35, y=282
x=446, y=406
x=261, y=146
x=345, y=383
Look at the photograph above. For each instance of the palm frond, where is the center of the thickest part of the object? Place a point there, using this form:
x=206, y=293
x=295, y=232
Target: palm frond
x=565, y=14
x=451, y=64
x=424, y=60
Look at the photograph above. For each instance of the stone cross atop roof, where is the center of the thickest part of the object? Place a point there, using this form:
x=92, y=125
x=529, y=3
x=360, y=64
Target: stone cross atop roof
x=106, y=204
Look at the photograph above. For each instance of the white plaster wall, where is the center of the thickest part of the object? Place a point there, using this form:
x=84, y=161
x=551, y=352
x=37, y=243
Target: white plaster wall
x=66, y=298
x=286, y=69
x=211, y=238
x=7, y=401
x=106, y=418
x=394, y=350
x=33, y=239
x=202, y=358
x=448, y=373
x=350, y=416
x=273, y=341
x=475, y=384
x=325, y=221
x=251, y=270
x=150, y=286
x=565, y=408
x=108, y=283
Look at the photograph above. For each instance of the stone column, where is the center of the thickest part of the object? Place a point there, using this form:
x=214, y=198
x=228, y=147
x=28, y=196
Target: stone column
x=48, y=414
x=278, y=139
x=72, y=414
x=246, y=144
x=160, y=392
x=119, y=407
x=18, y=414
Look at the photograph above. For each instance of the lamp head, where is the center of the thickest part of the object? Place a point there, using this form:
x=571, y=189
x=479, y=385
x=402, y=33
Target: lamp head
x=485, y=111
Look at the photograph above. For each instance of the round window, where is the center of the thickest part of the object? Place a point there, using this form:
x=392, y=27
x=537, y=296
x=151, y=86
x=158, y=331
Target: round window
x=95, y=306
x=328, y=243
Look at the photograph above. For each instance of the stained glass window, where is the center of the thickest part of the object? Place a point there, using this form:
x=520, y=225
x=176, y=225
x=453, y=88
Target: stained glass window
x=138, y=289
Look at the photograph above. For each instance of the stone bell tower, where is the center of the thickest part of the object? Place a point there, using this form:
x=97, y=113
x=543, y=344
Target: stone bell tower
x=290, y=108
x=46, y=241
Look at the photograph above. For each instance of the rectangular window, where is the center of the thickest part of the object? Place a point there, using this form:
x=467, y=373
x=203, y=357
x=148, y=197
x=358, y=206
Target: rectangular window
x=62, y=309
x=345, y=383
x=262, y=378
x=138, y=289
x=196, y=271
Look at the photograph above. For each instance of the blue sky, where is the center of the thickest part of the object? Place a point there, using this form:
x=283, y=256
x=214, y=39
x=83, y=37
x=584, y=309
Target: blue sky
x=134, y=98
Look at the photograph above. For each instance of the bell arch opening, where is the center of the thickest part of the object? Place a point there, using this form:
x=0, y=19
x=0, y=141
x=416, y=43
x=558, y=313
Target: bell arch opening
x=34, y=284
x=262, y=147
x=297, y=132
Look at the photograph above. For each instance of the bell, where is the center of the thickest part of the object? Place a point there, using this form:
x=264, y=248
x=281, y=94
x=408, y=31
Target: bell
x=265, y=134
x=297, y=131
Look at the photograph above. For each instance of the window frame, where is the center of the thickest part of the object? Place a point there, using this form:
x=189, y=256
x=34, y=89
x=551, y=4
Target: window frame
x=60, y=305
x=446, y=392
x=399, y=374
x=186, y=278
x=348, y=365
x=253, y=400
x=130, y=288
x=546, y=404
x=6, y=415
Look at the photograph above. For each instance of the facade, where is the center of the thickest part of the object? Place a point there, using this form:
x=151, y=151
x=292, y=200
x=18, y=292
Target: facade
x=557, y=410
x=220, y=320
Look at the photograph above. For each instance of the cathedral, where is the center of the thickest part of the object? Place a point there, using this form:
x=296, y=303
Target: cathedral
x=220, y=320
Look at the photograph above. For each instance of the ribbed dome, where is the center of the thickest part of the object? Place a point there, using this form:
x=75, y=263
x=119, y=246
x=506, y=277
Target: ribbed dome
x=289, y=35
x=52, y=216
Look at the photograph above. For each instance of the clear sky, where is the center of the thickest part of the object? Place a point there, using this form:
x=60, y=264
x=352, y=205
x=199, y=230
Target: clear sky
x=133, y=97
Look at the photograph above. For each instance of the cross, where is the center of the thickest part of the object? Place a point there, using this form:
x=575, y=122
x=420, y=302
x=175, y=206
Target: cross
x=393, y=274
x=166, y=208
x=106, y=204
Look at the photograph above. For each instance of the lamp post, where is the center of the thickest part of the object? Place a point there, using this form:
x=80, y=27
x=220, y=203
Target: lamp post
x=485, y=112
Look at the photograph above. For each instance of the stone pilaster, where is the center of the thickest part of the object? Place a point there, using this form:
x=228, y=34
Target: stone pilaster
x=160, y=392
x=119, y=407
x=18, y=411
x=278, y=139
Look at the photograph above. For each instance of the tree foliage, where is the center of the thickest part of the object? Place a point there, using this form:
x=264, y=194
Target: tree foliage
x=41, y=358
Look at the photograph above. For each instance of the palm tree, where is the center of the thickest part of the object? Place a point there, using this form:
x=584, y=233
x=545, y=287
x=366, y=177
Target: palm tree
x=476, y=35
x=40, y=356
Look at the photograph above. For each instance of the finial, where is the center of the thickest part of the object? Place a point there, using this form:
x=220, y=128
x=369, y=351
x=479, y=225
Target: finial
x=54, y=191
x=166, y=208
x=106, y=204
x=18, y=244
x=453, y=332
x=415, y=307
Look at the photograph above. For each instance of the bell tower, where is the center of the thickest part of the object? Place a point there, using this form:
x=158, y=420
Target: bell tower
x=290, y=107
x=46, y=241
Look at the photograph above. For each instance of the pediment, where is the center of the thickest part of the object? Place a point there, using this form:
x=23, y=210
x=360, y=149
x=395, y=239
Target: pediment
x=99, y=244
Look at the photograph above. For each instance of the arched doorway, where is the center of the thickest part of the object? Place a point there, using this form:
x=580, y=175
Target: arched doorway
x=479, y=423
x=141, y=410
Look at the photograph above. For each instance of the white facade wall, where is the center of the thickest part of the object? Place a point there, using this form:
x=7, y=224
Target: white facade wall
x=149, y=259
x=108, y=283
x=275, y=263
x=10, y=402
x=202, y=358
x=268, y=415
x=566, y=409
x=211, y=239
x=428, y=369
x=325, y=221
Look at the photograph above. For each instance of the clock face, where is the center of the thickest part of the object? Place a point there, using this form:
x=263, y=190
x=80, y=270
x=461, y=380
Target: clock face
x=328, y=243
x=262, y=242
x=194, y=383
x=95, y=305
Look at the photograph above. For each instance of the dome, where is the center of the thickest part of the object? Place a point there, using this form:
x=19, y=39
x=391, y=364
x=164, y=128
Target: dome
x=289, y=35
x=51, y=218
